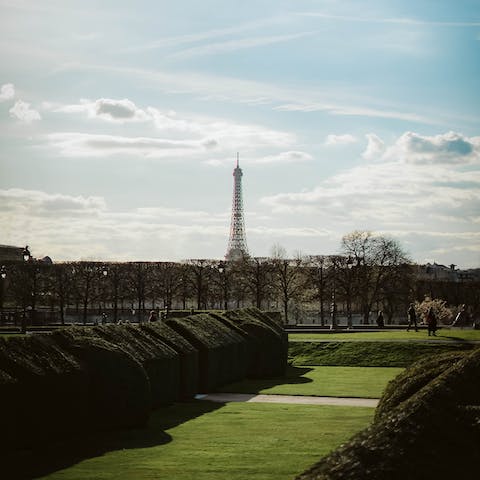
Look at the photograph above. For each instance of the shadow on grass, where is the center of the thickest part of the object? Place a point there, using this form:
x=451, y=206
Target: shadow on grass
x=293, y=375
x=68, y=451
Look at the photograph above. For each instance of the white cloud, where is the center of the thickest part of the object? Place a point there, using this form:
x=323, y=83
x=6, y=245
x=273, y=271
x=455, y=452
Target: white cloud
x=445, y=148
x=86, y=145
x=73, y=227
x=119, y=111
x=375, y=147
x=237, y=44
x=344, y=139
x=398, y=193
x=7, y=91
x=22, y=112
x=285, y=157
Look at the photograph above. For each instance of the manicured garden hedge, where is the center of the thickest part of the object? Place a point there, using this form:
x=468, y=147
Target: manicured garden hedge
x=222, y=351
x=367, y=354
x=433, y=433
x=88, y=378
x=267, y=341
x=187, y=356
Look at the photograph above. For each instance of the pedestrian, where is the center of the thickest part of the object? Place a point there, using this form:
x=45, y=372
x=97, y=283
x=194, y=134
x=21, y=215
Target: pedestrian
x=380, y=321
x=431, y=321
x=412, y=317
x=104, y=318
x=153, y=316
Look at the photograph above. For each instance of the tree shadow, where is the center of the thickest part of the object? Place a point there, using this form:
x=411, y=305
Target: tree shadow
x=293, y=375
x=67, y=451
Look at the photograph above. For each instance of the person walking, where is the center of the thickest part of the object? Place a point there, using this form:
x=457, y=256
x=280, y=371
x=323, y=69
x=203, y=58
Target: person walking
x=380, y=320
x=153, y=316
x=431, y=320
x=412, y=317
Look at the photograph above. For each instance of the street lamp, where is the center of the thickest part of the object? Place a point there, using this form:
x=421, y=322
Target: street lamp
x=333, y=305
x=3, y=276
x=222, y=269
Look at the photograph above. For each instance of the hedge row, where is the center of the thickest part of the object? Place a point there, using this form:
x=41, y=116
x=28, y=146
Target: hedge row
x=82, y=378
x=427, y=426
x=368, y=354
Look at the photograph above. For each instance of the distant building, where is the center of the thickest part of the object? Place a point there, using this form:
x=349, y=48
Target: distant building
x=438, y=272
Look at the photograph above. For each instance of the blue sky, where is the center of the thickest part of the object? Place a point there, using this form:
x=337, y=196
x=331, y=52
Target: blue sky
x=120, y=123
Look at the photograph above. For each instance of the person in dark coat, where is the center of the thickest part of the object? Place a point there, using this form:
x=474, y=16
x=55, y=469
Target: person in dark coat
x=380, y=320
x=431, y=321
x=412, y=317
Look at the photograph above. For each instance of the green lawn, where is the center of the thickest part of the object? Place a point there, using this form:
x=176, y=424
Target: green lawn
x=454, y=335
x=367, y=382
x=236, y=441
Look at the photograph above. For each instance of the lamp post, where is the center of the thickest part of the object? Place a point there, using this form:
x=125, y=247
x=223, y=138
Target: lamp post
x=349, y=296
x=333, y=305
x=222, y=269
x=27, y=258
x=3, y=276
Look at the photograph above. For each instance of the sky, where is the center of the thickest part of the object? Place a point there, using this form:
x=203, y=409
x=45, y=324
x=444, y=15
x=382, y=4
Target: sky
x=120, y=123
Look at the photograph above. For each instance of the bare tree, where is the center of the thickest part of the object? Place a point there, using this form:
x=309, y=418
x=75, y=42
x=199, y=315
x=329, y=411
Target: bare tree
x=375, y=258
x=289, y=277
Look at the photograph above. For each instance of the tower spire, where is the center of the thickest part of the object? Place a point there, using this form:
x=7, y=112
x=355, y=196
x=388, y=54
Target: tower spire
x=237, y=243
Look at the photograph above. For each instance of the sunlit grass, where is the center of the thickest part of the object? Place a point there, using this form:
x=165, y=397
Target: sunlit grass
x=237, y=441
x=367, y=382
x=453, y=335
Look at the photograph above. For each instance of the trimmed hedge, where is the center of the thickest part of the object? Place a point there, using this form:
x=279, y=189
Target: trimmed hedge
x=119, y=392
x=79, y=379
x=187, y=355
x=268, y=342
x=222, y=351
x=161, y=363
x=43, y=390
x=435, y=433
x=367, y=354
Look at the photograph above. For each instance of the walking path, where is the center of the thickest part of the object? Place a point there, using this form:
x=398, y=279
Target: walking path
x=297, y=399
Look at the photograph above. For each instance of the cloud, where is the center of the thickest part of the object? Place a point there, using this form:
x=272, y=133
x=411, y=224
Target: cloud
x=398, y=193
x=22, y=112
x=119, y=111
x=375, y=147
x=286, y=157
x=86, y=145
x=35, y=202
x=234, y=45
x=85, y=227
x=447, y=148
x=7, y=91
x=345, y=139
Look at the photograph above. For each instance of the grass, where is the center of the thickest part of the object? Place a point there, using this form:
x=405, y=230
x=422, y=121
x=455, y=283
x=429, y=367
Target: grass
x=367, y=354
x=237, y=441
x=452, y=335
x=366, y=382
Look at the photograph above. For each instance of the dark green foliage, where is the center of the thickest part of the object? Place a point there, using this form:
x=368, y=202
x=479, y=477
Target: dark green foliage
x=268, y=341
x=222, y=353
x=43, y=390
x=119, y=389
x=159, y=360
x=187, y=355
x=366, y=354
x=410, y=381
x=435, y=433
x=82, y=379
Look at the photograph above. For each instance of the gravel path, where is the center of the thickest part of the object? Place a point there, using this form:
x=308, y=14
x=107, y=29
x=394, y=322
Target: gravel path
x=297, y=399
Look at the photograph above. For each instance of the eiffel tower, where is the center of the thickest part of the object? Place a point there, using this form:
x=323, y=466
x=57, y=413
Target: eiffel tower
x=237, y=243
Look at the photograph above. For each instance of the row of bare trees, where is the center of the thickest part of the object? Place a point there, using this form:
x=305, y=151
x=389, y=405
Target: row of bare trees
x=370, y=272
